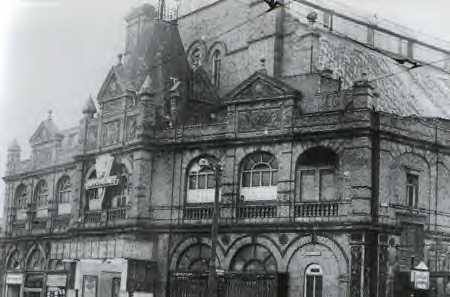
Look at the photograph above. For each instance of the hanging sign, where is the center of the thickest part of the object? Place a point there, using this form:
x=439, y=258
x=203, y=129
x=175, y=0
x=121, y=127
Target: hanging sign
x=420, y=276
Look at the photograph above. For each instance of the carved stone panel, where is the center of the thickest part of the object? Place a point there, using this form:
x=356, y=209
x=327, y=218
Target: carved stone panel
x=112, y=107
x=260, y=119
x=111, y=133
x=131, y=128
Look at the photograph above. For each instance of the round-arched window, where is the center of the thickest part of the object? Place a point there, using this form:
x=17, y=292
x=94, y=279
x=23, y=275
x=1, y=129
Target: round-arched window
x=216, y=67
x=64, y=190
x=20, y=198
x=40, y=197
x=313, y=281
x=259, y=177
x=253, y=257
x=201, y=184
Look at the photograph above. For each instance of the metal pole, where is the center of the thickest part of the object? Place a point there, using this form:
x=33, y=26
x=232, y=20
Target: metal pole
x=212, y=276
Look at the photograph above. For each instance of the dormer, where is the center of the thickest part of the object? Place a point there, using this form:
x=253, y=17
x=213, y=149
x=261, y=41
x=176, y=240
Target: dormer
x=45, y=141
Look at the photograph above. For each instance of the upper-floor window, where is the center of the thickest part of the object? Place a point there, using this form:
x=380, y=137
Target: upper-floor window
x=117, y=195
x=40, y=197
x=412, y=190
x=20, y=198
x=92, y=194
x=259, y=177
x=316, y=175
x=201, y=184
x=216, y=65
x=64, y=190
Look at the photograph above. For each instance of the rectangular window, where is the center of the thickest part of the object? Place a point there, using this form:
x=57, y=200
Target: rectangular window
x=246, y=179
x=307, y=185
x=211, y=181
x=265, y=178
x=202, y=181
x=327, y=185
x=412, y=190
x=192, y=182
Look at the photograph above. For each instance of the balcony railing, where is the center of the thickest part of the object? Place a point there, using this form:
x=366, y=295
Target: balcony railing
x=117, y=214
x=93, y=217
x=256, y=211
x=201, y=212
x=319, y=209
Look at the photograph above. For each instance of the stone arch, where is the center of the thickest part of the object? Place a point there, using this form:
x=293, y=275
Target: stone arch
x=218, y=45
x=36, y=258
x=336, y=146
x=322, y=251
x=16, y=253
x=200, y=46
x=243, y=241
x=208, y=195
x=189, y=242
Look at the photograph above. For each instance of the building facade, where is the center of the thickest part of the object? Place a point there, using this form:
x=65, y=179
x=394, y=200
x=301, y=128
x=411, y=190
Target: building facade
x=334, y=162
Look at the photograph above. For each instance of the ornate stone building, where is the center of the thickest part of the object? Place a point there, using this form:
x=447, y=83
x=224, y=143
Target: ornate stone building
x=335, y=161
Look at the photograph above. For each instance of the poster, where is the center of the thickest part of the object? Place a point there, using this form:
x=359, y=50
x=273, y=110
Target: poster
x=89, y=286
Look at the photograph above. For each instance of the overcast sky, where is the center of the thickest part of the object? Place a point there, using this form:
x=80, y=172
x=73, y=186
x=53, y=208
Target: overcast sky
x=54, y=53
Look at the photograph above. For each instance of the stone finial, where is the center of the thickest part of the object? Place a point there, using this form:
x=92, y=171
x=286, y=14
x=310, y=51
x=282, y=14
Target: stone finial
x=50, y=113
x=89, y=107
x=145, y=92
x=262, y=68
x=13, y=146
x=312, y=17
x=120, y=59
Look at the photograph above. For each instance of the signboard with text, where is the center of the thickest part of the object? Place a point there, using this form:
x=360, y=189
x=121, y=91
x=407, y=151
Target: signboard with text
x=14, y=278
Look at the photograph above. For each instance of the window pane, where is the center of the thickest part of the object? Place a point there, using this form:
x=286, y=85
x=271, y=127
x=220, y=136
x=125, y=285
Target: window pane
x=274, y=178
x=256, y=176
x=327, y=185
x=192, y=182
x=202, y=181
x=246, y=179
x=265, y=178
x=309, y=286
x=307, y=192
x=318, y=286
x=211, y=181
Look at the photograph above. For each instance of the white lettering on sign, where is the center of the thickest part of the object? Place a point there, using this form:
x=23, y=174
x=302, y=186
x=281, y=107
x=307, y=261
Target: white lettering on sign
x=14, y=278
x=56, y=280
x=107, y=181
x=421, y=280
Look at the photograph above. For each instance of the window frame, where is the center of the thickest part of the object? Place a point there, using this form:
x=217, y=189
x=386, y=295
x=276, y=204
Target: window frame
x=316, y=276
x=318, y=190
x=21, y=197
x=64, y=189
x=415, y=187
x=252, y=170
x=216, y=65
x=41, y=194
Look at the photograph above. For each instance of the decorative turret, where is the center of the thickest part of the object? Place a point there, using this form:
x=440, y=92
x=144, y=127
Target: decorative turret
x=89, y=108
x=13, y=157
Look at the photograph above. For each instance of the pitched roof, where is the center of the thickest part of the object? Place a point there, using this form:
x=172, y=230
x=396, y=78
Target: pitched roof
x=47, y=131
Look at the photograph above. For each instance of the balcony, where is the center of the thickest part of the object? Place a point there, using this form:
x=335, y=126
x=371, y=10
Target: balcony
x=256, y=211
x=198, y=212
x=116, y=214
x=318, y=209
x=93, y=217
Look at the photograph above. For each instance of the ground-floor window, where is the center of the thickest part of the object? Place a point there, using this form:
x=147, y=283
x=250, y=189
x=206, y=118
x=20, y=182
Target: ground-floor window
x=313, y=281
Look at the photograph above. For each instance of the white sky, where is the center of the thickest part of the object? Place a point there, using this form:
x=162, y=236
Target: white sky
x=54, y=53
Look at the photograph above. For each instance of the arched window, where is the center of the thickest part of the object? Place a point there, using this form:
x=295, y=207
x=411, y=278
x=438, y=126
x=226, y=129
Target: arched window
x=201, y=184
x=13, y=261
x=216, y=65
x=20, y=198
x=313, y=281
x=195, y=258
x=35, y=261
x=64, y=195
x=64, y=190
x=255, y=258
x=117, y=195
x=92, y=194
x=40, y=197
x=259, y=177
x=316, y=175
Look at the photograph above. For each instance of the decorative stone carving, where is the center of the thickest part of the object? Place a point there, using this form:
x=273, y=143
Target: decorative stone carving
x=113, y=89
x=111, y=133
x=260, y=119
x=260, y=89
x=112, y=107
x=131, y=128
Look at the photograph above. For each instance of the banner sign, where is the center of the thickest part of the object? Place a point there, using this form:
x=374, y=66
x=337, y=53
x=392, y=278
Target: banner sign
x=106, y=181
x=421, y=280
x=56, y=280
x=14, y=278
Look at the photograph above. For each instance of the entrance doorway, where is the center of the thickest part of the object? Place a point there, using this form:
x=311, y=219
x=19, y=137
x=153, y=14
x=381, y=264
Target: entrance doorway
x=313, y=281
x=13, y=291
